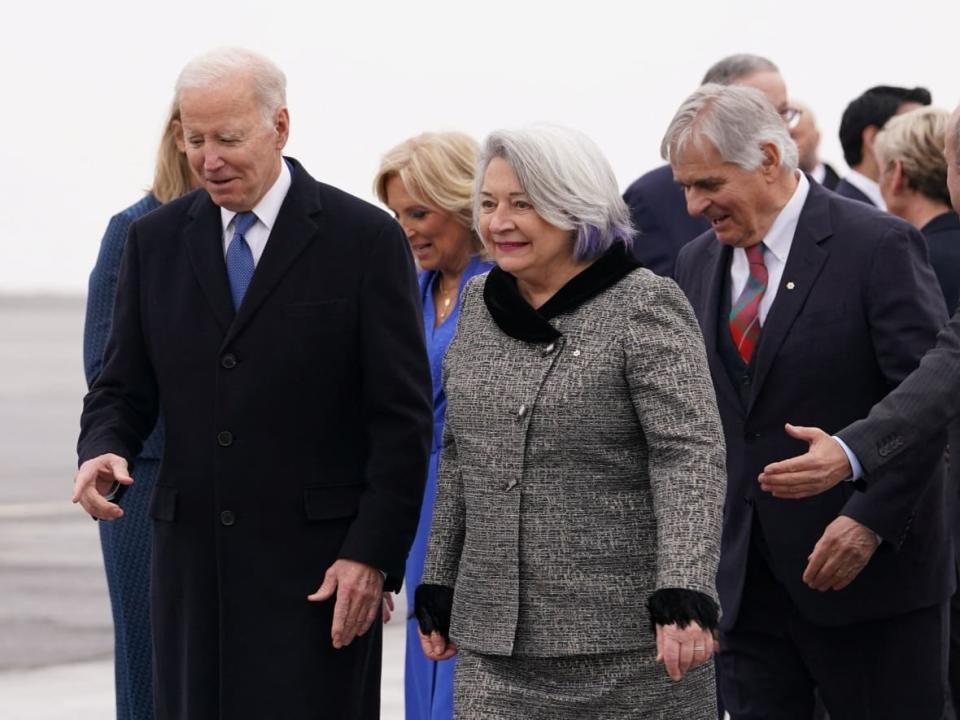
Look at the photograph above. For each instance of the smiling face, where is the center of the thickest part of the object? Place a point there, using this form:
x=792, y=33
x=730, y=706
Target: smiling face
x=229, y=147
x=739, y=204
x=438, y=241
x=520, y=241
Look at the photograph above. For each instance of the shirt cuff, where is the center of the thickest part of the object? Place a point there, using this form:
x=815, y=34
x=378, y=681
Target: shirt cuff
x=855, y=465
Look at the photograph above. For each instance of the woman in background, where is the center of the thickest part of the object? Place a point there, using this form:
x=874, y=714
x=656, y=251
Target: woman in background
x=913, y=182
x=582, y=474
x=126, y=544
x=427, y=181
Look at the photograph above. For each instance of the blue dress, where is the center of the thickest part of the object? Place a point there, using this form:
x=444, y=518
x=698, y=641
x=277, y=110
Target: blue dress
x=429, y=685
x=126, y=542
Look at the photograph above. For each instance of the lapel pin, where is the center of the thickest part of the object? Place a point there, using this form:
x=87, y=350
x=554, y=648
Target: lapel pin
x=790, y=285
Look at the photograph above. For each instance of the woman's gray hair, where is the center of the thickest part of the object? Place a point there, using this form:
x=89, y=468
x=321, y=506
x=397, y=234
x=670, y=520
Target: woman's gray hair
x=568, y=181
x=737, y=120
x=227, y=63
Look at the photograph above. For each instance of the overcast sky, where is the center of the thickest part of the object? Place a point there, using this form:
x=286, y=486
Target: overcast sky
x=87, y=85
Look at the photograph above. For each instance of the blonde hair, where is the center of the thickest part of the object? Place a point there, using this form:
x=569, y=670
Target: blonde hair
x=172, y=176
x=437, y=169
x=916, y=139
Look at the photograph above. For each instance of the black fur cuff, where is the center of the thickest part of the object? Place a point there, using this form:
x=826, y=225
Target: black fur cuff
x=432, y=604
x=675, y=605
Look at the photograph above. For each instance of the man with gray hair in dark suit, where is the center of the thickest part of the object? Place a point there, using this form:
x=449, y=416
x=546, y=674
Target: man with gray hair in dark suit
x=657, y=207
x=811, y=306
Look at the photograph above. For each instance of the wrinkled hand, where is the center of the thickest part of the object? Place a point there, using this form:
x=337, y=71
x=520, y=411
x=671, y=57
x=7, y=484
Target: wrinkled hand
x=387, y=610
x=681, y=650
x=436, y=647
x=840, y=554
x=359, y=590
x=95, y=480
x=819, y=469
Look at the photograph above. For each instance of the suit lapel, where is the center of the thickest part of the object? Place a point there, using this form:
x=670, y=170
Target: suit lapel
x=203, y=236
x=717, y=264
x=291, y=234
x=804, y=264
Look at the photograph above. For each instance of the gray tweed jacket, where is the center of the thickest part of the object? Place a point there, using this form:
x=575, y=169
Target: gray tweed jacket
x=578, y=476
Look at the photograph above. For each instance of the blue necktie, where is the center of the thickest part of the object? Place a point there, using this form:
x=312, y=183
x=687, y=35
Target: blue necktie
x=239, y=258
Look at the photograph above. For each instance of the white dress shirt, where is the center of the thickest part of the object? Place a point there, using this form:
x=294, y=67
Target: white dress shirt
x=819, y=172
x=868, y=187
x=778, y=240
x=266, y=211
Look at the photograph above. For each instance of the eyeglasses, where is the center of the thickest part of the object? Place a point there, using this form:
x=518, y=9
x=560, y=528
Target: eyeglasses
x=791, y=117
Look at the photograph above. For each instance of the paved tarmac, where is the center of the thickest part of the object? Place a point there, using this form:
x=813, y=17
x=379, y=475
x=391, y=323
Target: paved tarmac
x=56, y=638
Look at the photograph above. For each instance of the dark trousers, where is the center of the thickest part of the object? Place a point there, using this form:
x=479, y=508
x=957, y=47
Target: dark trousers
x=774, y=660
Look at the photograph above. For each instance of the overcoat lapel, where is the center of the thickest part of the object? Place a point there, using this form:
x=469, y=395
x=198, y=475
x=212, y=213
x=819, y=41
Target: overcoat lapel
x=804, y=263
x=203, y=236
x=293, y=231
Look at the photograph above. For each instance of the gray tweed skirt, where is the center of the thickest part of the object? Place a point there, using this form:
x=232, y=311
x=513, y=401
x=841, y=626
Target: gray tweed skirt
x=621, y=686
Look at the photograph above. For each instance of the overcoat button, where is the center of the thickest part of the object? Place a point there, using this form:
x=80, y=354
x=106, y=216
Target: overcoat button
x=522, y=411
x=227, y=518
x=549, y=349
x=228, y=361
x=225, y=438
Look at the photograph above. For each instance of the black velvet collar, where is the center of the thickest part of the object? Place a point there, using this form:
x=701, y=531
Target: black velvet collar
x=519, y=320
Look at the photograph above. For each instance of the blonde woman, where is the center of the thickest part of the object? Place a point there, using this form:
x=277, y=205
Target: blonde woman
x=126, y=544
x=913, y=182
x=427, y=181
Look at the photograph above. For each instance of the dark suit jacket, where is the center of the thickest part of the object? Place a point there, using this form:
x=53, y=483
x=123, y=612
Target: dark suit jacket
x=862, y=309
x=298, y=432
x=830, y=177
x=849, y=190
x=659, y=214
x=943, y=240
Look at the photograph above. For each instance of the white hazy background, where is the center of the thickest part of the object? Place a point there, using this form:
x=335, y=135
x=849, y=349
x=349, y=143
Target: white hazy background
x=86, y=86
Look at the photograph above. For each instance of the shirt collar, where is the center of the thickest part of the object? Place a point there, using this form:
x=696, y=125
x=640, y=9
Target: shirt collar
x=779, y=237
x=868, y=187
x=269, y=206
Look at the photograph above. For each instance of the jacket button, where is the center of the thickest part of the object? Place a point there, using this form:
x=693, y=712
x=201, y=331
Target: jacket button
x=228, y=361
x=225, y=438
x=548, y=349
x=227, y=518
x=522, y=411
x=750, y=438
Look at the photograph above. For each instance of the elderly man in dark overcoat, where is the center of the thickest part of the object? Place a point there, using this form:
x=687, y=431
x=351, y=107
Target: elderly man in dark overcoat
x=275, y=319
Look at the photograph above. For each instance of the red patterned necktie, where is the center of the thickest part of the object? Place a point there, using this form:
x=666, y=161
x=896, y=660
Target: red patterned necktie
x=745, y=313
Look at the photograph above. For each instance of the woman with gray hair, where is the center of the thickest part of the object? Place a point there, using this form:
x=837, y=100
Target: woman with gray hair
x=582, y=467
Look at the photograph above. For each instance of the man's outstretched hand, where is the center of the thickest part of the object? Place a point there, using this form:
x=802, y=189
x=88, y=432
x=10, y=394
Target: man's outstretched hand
x=816, y=471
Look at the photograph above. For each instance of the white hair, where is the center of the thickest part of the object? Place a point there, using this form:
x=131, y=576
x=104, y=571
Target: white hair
x=568, y=180
x=217, y=66
x=737, y=120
